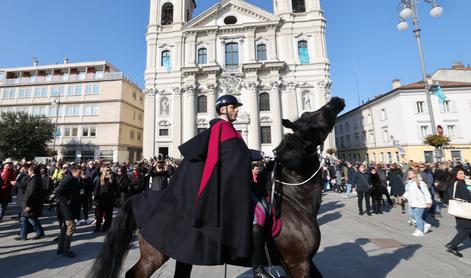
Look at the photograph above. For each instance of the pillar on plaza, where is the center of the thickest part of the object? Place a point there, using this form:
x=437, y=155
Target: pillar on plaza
x=211, y=101
x=275, y=103
x=254, y=125
x=189, y=114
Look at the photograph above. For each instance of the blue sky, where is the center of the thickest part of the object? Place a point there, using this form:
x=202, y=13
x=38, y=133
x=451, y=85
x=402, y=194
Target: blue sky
x=365, y=49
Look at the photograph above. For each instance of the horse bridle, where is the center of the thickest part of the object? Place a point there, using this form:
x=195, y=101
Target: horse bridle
x=275, y=181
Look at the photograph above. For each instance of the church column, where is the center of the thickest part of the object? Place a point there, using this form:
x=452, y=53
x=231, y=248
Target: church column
x=254, y=125
x=272, y=51
x=251, y=45
x=211, y=101
x=149, y=120
x=212, y=51
x=191, y=43
x=275, y=104
x=189, y=114
x=176, y=121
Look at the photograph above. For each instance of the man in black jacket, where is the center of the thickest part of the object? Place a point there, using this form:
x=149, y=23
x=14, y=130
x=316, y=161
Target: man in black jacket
x=362, y=183
x=68, y=195
x=159, y=176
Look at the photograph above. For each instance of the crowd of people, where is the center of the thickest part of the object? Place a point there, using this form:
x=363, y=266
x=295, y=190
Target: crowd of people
x=74, y=190
x=421, y=190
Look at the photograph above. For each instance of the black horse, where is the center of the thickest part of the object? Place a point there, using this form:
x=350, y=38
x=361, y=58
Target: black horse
x=297, y=171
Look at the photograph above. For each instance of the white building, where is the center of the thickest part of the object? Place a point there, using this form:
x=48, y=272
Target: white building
x=275, y=63
x=392, y=127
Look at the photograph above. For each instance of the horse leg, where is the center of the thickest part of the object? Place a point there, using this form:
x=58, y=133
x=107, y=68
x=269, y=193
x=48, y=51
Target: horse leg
x=182, y=270
x=151, y=259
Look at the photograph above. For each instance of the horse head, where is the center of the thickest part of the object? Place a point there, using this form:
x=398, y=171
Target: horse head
x=309, y=132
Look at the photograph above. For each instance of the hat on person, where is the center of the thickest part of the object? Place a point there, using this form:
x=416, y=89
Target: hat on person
x=8, y=160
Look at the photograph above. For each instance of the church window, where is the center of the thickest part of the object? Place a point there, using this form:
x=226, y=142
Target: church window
x=232, y=54
x=202, y=104
x=265, y=133
x=264, y=102
x=303, y=52
x=167, y=14
x=165, y=62
x=230, y=20
x=202, y=56
x=299, y=6
x=261, y=52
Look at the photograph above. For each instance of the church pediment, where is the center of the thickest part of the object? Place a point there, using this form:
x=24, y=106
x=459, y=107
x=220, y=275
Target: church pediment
x=224, y=13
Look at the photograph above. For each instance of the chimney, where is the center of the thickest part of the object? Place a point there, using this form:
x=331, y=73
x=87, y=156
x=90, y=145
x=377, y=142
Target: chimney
x=66, y=60
x=457, y=65
x=35, y=62
x=396, y=83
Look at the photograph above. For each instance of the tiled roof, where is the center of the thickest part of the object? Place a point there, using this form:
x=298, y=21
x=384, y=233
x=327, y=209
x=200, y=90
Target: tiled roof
x=420, y=84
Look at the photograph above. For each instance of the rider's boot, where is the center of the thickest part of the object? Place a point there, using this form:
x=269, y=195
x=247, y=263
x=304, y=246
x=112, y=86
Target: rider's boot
x=258, y=252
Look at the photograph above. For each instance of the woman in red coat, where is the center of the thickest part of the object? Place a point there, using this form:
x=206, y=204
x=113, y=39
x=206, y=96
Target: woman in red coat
x=7, y=181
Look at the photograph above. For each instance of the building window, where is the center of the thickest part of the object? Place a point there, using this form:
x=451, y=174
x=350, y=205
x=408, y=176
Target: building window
x=451, y=130
x=303, y=53
x=423, y=131
x=167, y=14
x=163, y=132
x=165, y=60
x=140, y=99
x=389, y=157
x=72, y=110
x=385, y=136
x=264, y=102
x=202, y=104
x=9, y=93
x=82, y=75
x=202, y=56
x=106, y=155
x=67, y=131
x=134, y=96
x=261, y=52
x=92, y=131
x=85, y=131
x=428, y=156
x=420, y=107
x=39, y=111
x=265, y=133
x=382, y=114
x=349, y=143
x=74, y=132
x=382, y=156
x=230, y=20
x=455, y=155
x=40, y=92
x=232, y=54
x=347, y=126
x=53, y=112
x=398, y=158
x=139, y=117
x=24, y=93
x=299, y=6
x=139, y=136
x=57, y=91
x=75, y=90
x=90, y=110
x=445, y=106
x=131, y=134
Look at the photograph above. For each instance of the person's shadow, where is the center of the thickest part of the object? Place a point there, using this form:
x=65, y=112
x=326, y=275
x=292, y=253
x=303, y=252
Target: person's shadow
x=351, y=260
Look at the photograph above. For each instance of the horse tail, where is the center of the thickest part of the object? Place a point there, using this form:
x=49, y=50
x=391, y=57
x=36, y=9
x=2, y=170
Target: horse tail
x=110, y=259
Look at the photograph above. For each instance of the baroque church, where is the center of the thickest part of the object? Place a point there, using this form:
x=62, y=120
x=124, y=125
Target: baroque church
x=275, y=63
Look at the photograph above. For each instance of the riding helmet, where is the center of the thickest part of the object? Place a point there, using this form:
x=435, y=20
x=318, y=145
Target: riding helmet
x=226, y=100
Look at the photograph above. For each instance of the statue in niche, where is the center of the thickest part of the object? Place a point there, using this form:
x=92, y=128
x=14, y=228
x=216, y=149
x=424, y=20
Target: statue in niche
x=164, y=106
x=306, y=102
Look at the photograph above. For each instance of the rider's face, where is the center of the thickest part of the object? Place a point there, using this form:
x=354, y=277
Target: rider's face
x=231, y=111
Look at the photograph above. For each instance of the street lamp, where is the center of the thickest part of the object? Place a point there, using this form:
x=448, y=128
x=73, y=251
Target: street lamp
x=408, y=9
x=56, y=102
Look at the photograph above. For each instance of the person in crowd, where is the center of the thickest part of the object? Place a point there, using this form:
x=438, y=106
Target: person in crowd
x=92, y=171
x=325, y=178
x=59, y=173
x=7, y=181
x=442, y=178
x=137, y=182
x=418, y=196
x=51, y=169
x=159, y=176
x=381, y=172
x=362, y=184
x=86, y=189
x=123, y=184
x=459, y=190
x=32, y=205
x=104, y=196
x=349, y=176
x=68, y=194
x=46, y=184
x=376, y=190
x=427, y=177
x=396, y=177
x=20, y=188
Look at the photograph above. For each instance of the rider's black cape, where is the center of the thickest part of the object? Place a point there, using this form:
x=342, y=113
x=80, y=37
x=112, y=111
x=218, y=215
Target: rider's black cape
x=204, y=216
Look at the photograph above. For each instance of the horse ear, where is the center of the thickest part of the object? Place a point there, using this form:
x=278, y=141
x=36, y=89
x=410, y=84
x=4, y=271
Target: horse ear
x=288, y=124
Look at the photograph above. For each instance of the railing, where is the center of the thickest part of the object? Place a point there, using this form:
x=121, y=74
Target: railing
x=88, y=77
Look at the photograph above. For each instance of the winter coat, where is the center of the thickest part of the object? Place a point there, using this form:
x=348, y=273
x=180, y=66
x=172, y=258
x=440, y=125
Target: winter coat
x=33, y=197
x=21, y=185
x=137, y=184
x=417, y=196
x=159, y=180
x=6, y=177
x=362, y=182
x=442, y=177
x=68, y=195
x=106, y=193
x=396, y=177
x=382, y=177
x=376, y=189
x=463, y=193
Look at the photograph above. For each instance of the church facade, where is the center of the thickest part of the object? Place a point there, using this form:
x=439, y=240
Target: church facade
x=275, y=63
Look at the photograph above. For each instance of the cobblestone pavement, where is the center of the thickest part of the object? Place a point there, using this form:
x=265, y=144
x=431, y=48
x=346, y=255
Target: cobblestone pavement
x=352, y=246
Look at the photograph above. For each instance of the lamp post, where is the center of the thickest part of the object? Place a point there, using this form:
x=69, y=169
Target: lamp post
x=56, y=102
x=408, y=10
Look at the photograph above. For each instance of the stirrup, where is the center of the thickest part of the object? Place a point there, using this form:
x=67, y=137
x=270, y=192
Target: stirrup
x=260, y=272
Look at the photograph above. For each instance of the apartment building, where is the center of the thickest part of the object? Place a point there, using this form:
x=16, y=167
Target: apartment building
x=98, y=111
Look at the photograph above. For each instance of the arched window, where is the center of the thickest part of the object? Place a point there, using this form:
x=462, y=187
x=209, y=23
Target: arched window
x=165, y=60
x=299, y=6
x=167, y=14
x=264, y=102
x=202, y=104
x=232, y=54
x=303, y=52
x=261, y=52
x=202, y=56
